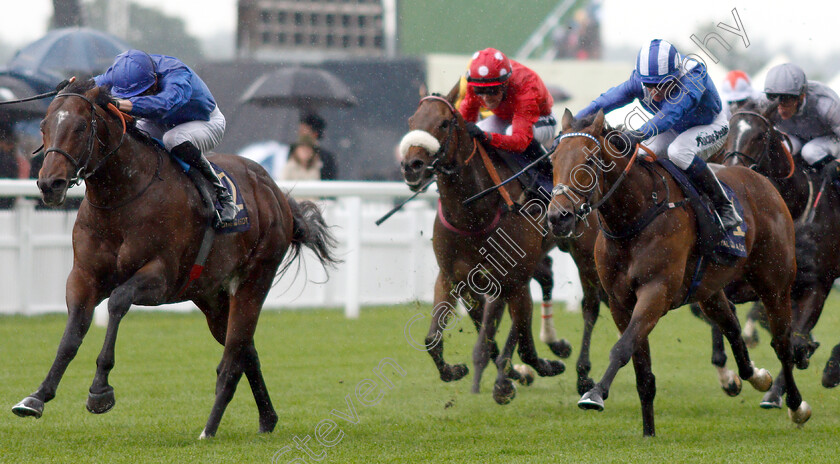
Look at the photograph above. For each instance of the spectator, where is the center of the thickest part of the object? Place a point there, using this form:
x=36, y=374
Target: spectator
x=304, y=162
x=12, y=164
x=313, y=125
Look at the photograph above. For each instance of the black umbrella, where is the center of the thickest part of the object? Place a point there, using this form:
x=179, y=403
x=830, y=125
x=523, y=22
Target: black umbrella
x=65, y=52
x=13, y=88
x=301, y=88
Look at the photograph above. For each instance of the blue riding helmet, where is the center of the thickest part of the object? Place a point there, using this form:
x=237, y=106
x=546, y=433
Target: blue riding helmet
x=133, y=72
x=657, y=61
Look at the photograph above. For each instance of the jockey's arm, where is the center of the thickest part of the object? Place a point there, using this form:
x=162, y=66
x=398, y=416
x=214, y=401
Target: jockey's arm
x=616, y=97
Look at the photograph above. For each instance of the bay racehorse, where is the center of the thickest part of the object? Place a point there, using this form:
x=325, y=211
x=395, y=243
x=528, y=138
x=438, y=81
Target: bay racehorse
x=648, y=272
x=137, y=236
x=754, y=142
x=486, y=253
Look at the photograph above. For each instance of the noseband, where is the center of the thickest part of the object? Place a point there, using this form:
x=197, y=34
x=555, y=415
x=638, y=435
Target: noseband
x=81, y=165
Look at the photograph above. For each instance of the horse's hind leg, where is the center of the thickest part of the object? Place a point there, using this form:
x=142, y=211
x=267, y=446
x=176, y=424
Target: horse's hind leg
x=831, y=373
x=239, y=355
x=777, y=302
x=722, y=314
x=521, y=311
x=548, y=334
x=82, y=298
x=645, y=386
x=144, y=287
x=485, y=343
x=756, y=315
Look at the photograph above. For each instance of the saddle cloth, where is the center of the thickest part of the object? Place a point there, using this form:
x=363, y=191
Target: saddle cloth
x=242, y=222
x=723, y=247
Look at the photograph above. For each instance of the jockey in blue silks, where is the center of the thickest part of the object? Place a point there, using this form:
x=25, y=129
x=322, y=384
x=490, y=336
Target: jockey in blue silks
x=173, y=105
x=688, y=123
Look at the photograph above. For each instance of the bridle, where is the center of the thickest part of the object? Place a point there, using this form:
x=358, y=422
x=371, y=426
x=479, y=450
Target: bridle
x=565, y=190
x=768, y=134
x=80, y=166
x=437, y=164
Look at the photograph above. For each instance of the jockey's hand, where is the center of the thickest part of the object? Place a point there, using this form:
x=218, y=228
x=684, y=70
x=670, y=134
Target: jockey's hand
x=476, y=133
x=831, y=171
x=619, y=141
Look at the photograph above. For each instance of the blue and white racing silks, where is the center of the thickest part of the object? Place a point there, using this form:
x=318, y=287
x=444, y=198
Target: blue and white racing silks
x=692, y=102
x=183, y=96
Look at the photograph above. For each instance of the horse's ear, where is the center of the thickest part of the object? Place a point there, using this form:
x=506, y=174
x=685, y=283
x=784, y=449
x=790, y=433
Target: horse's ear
x=452, y=96
x=567, y=120
x=768, y=111
x=598, y=124
x=423, y=90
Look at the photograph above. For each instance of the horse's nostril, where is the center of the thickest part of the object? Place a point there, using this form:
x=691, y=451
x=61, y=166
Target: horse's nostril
x=415, y=165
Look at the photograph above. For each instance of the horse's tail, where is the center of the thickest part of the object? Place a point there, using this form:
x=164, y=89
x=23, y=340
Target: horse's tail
x=310, y=230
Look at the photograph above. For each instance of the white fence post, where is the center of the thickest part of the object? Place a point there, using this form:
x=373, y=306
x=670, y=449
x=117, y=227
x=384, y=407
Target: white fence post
x=353, y=208
x=25, y=208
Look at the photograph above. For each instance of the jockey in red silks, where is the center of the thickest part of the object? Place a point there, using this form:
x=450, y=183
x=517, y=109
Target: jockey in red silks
x=522, y=122
x=736, y=91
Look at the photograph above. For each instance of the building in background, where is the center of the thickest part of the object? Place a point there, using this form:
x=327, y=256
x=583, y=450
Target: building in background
x=269, y=29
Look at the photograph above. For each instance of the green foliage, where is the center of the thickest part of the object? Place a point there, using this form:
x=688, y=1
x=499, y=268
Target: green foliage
x=151, y=30
x=164, y=382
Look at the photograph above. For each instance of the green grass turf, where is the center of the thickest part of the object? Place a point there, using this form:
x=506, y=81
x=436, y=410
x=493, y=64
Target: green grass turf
x=164, y=382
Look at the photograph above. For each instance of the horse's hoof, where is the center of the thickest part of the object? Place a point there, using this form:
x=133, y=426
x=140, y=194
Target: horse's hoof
x=732, y=386
x=454, y=372
x=831, y=374
x=801, y=357
x=801, y=415
x=591, y=400
x=100, y=403
x=29, y=407
x=204, y=435
x=761, y=380
x=504, y=392
x=584, y=384
x=526, y=374
x=561, y=348
x=771, y=400
x=267, y=425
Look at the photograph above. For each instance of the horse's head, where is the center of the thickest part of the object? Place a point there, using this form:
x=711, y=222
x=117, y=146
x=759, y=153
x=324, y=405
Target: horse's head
x=577, y=161
x=751, y=137
x=76, y=138
x=431, y=146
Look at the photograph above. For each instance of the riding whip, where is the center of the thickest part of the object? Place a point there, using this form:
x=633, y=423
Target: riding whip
x=399, y=206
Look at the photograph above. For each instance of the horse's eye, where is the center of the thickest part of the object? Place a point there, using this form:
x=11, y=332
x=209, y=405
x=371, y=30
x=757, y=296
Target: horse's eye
x=444, y=124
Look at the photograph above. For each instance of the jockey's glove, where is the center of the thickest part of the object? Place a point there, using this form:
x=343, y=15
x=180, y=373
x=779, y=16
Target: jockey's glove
x=619, y=141
x=831, y=171
x=476, y=133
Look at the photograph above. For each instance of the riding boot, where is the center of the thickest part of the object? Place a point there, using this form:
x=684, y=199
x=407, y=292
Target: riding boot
x=704, y=179
x=828, y=169
x=193, y=156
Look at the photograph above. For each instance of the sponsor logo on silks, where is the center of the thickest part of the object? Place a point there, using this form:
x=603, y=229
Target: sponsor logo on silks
x=704, y=138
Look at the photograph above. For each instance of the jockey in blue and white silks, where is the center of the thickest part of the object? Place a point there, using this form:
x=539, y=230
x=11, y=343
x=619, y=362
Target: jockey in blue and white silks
x=688, y=124
x=174, y=105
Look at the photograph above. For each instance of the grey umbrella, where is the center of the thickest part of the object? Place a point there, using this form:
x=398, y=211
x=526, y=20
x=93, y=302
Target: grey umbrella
x=299, y=87
x=13, y=88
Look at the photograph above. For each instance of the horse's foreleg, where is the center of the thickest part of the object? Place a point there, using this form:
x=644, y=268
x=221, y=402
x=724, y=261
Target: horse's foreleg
x=82, y=298
x=147, y=286
x=591, y=306
x=442, y=313
x=635, y=326
x=544, y=276
x=486, y=341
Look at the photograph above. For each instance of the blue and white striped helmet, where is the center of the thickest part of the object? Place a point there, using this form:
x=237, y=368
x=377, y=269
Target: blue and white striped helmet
x=656, y=61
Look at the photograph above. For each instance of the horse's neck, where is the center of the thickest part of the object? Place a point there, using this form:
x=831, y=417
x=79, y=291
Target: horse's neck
x=456, y=188
x=630, y=199
x=123, y=174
